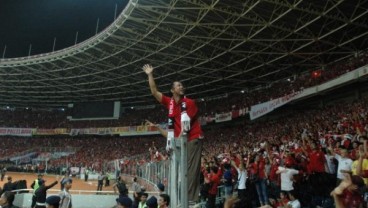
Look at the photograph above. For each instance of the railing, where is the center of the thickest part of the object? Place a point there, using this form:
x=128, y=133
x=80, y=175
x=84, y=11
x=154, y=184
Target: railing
x=157, y=172
x=79, y=192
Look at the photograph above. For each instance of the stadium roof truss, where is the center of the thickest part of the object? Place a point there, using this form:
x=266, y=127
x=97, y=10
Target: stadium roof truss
x=213, y=46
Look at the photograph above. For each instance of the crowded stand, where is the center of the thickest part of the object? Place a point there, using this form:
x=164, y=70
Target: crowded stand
x=301, y=145
x=309, y=158
x=90, y=151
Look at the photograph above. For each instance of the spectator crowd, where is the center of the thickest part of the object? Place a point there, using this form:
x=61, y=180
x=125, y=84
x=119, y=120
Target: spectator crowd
x=310, y=158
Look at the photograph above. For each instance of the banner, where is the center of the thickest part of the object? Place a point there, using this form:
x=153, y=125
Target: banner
x=141, y=128
x=16, y=132
x=24, y=158
x=223, y=117
x=259, y=110
x=49, y=131
x=119, y=130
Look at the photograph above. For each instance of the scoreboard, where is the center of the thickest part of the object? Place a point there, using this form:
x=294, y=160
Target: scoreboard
x=94, y=110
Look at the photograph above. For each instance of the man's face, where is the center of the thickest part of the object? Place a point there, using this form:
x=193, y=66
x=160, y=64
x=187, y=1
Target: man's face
x=355, y=145
x=313, y=146
x=177, y=89
x=161, y=202
x=344, y=153
x=143, y=198
x=68, y=185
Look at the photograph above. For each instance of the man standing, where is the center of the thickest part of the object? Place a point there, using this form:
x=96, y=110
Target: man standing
x=65, y=196
x=142, y=203
x=64, y=178
x=100, y=182
x=136, y=188
x=41, y=194
x=183, y=118
x=9, y=185
x=86, y=172
x=35, y=185
x=3, y=172
x=344, y=165
x=107, y=179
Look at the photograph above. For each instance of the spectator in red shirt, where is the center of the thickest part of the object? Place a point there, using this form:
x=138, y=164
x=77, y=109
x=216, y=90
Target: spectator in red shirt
x=214, y=180
x=183, y=117
x=317, y=159
x=259, y=172
x=274, y=178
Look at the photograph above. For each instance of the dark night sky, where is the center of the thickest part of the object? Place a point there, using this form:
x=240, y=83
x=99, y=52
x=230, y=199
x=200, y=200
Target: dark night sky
x=38, y=22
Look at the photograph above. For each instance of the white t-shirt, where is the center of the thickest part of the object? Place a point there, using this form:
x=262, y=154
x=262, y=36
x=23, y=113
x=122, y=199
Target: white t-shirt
x=344, y=164
x=294, y=204
x=242, y=178
x=286, y=182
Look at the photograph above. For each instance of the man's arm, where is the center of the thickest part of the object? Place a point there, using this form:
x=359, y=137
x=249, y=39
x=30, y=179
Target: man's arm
x=148, y=69
x=51, y=185
x=162, y=131
x=281, y=170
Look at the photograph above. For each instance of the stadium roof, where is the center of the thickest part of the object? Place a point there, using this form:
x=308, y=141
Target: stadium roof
x=214, y=47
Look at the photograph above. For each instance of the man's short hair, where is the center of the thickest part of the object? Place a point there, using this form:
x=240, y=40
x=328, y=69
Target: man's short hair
x=214, y=169
x=293, y=193
x=161, y=187
x=166, y=198
x=144, y=194
x=173, y=84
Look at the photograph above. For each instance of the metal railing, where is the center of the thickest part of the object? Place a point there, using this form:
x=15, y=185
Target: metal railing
x=154, y=172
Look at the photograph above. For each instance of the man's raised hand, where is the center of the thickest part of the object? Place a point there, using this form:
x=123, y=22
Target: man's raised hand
x=149, y=123
x=147, y=68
